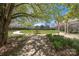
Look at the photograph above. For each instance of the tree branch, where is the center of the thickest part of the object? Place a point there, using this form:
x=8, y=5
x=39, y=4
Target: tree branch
x=24, y=15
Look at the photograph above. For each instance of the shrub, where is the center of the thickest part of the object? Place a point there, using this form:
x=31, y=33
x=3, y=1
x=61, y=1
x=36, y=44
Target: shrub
x=57, y=41
x=50, y=37
x=61, y=42
x=75, y=44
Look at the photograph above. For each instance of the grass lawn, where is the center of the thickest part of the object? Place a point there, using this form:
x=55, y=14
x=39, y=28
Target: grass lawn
x=39, y=31
x=33, y=31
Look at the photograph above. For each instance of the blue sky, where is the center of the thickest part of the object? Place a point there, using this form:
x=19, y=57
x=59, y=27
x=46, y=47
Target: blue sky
x=52, y=22
x=64, y=11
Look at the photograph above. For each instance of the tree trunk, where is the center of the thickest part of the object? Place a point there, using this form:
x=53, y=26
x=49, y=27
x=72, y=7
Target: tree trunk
x=66, y=28
x=5, y=19
x=58, y=28
x=3, y=32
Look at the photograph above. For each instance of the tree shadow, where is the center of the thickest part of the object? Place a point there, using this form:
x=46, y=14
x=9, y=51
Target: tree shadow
x=13, y=47
x=55, y=45
x=42, y=46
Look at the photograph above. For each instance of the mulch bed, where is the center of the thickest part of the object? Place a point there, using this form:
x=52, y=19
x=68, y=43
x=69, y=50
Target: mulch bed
x=34, y=45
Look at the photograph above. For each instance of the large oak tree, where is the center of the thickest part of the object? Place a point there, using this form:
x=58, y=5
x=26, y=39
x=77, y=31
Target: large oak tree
x=9, y=11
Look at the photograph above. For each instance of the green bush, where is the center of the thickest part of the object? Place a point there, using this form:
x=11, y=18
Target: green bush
x=61, y=42
x=56, y=41
x=76, y=44
x=50, y=37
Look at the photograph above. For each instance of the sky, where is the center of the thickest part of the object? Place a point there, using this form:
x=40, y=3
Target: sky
x=52, y=22
x=64, y=11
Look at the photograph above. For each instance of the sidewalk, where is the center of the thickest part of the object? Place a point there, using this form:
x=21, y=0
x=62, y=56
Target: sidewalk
x=70, y=35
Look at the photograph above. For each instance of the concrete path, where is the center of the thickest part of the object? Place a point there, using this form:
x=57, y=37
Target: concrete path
x=70, y=35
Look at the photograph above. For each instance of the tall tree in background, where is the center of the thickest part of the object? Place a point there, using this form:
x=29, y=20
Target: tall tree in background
x=56, y=12
x=73, y=13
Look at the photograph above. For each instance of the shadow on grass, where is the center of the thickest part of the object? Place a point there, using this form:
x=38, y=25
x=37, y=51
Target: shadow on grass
x=61, y=43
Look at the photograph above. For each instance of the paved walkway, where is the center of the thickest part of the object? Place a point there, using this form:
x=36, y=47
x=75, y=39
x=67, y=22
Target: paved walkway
x=70, y=35
x=62, y=33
